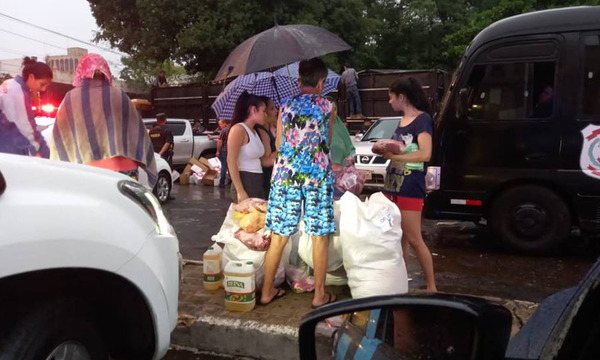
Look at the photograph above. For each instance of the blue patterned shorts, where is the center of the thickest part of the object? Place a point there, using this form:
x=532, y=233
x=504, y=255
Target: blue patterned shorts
x=285, y=208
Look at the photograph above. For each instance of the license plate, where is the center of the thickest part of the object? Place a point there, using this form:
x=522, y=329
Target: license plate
x=367, y=174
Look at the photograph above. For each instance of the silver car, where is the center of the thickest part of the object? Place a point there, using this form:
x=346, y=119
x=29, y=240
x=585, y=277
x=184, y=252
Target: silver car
x=370, y=165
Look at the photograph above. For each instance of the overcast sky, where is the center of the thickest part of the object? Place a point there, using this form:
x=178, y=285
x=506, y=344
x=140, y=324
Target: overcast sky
x=69, y=17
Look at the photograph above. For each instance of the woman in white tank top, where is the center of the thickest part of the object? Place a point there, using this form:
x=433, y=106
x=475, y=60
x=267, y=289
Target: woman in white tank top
x=245, y=148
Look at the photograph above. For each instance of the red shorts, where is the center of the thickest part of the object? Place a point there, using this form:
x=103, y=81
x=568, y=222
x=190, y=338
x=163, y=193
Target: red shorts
x=406, y=203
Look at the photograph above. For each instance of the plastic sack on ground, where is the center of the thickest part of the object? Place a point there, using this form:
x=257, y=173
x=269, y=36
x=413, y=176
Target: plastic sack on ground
x=334, y=257
x=388, y=145
x=235, y=250
x=350, y=179
x=299, y=279
x=371, y=247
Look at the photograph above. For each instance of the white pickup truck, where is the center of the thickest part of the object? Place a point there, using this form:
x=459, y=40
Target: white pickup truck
x=89, y=265
x=187, y=145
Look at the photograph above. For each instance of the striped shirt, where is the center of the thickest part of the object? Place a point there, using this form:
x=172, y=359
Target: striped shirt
x=97, y=121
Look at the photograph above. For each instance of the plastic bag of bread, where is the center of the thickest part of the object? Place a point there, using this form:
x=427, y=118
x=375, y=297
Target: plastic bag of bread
x=251, y=222
x=247, y=206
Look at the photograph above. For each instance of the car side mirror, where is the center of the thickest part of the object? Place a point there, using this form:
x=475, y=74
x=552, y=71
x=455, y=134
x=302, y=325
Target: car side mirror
x=359, y=137
x=2, y=184
x=411, y=327
x=462, y=104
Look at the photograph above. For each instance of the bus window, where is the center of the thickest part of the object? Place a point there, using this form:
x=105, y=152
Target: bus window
x=507, y=91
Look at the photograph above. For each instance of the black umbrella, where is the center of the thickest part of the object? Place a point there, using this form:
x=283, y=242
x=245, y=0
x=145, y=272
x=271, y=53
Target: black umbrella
x=280, y=45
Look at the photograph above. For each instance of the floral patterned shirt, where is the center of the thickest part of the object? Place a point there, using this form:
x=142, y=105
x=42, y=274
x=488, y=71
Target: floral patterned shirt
x=303, y=157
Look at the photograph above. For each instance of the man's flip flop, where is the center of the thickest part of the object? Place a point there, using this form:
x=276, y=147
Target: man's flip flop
x=280, y=293
x=329, y=301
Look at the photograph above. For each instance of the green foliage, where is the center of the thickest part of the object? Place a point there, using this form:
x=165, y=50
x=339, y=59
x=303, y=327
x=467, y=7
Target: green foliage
x=398, y=34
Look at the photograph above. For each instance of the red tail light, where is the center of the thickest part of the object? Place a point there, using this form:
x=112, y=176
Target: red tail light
x=48, y=108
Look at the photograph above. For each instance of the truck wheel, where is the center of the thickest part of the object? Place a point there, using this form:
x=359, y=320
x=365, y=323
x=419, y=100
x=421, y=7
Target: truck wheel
x=60, y=329
x=530, y=219
x=209, y=154
x=162, y=189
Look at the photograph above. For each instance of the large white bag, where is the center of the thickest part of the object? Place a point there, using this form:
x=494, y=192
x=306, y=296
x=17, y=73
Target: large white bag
x=372, y=252
x=334, y=256
x=234, y=250
x=336, y=275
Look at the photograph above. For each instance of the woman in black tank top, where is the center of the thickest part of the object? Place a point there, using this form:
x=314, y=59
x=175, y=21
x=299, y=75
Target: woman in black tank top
x=267, y=136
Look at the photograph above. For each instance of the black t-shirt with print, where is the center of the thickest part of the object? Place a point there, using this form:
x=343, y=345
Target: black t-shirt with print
x=408, y=179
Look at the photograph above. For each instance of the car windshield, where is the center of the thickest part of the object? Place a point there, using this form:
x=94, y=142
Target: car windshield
x=382, y=129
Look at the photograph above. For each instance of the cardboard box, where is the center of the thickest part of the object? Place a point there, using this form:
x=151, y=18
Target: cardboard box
x=209, y=178
x=199, y=163
x=184, y=179
x=215, y=164
x=197, y=169
x=212, y=163
x=201, y=167
x=196, y=179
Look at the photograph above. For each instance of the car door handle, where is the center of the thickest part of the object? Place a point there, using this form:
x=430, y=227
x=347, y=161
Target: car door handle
x=185, y=140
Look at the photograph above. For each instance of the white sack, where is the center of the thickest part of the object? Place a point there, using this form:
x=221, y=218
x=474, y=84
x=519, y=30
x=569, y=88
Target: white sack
x=372, y=252
x=334, y=257
x=234, y=250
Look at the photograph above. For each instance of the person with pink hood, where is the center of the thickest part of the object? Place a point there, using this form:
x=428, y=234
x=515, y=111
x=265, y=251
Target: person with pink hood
x=96, y=124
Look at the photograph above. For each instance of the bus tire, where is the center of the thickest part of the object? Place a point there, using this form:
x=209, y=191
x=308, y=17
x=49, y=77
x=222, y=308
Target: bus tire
x=530, y=219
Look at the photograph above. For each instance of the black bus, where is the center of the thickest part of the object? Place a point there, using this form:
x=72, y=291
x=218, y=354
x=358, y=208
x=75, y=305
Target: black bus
x=517, y=138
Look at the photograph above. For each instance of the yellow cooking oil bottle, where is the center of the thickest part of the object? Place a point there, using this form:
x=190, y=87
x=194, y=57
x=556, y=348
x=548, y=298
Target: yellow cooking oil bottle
x=240, y=286
x=211, y=269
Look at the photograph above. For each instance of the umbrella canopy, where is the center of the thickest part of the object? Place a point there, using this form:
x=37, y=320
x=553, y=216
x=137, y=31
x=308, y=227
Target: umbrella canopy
x=275, y=86
x=280, y=45
x=291, y=71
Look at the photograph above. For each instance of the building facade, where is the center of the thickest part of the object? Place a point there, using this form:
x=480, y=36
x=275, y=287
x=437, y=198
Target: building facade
x=66, y=63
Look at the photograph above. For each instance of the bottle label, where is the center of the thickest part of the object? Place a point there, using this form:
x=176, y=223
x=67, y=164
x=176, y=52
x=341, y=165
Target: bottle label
x=239, y=289
x=212, y=270
x=239, y=298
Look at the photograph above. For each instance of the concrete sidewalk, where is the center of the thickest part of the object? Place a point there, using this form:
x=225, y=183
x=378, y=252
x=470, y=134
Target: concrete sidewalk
x=267, y=332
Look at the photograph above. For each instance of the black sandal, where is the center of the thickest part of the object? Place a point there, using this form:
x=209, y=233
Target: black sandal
x=329, y=301
x=280, y=293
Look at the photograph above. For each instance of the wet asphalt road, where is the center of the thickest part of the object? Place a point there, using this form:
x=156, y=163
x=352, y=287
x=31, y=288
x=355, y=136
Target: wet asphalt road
x=465, y=259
